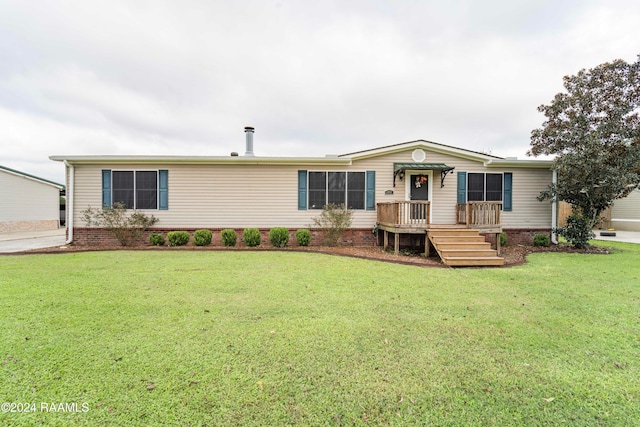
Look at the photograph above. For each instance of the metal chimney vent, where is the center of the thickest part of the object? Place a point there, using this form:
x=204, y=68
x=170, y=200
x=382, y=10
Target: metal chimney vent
x=248, y=131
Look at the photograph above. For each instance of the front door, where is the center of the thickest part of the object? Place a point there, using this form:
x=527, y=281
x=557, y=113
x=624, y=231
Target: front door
x=419, y=184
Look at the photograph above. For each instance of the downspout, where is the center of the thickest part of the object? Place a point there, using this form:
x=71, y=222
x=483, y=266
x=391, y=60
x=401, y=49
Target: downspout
x=554, y=210
x=70, y=202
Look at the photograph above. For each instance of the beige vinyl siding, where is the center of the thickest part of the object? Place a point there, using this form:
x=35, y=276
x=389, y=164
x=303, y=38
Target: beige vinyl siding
x=24, y=199
x=219, y=196
x=527, y=211
x=625, y=213
x=238, y=196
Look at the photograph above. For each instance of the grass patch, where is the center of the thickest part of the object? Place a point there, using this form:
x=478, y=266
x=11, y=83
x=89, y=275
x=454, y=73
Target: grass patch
x=273, y=338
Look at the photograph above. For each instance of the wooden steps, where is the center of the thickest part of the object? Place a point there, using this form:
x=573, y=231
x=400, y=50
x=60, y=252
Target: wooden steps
x=463, y=248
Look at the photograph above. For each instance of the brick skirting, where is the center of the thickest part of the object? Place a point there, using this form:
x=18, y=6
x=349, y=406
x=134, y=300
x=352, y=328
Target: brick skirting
x=519, y=236
x=102, y=237
x=351, y=237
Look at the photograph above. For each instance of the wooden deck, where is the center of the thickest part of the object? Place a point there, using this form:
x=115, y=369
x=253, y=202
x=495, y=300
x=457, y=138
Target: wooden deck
x=413, y=217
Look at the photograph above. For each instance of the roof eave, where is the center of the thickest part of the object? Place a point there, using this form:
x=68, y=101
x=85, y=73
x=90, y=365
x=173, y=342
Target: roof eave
x=432, y=146
x=202, y=160
x=509, y=163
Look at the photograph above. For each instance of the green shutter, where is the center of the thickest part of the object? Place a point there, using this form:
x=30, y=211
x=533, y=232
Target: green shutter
x=302, y=190
x=106, y=188
x=163, y=190
x=462, y=187
x=371, y=191
x=507, y=199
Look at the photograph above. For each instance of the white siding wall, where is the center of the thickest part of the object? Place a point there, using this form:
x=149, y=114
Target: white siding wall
x=626, y=212
x=220, y=196
x=25, y=200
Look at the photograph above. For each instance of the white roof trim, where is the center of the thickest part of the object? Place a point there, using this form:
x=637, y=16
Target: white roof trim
x=513, y=163
x=431, y=146
x=31, y=177
x=209, y=160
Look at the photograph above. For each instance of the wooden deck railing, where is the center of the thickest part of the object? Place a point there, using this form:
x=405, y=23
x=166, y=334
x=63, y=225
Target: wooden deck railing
x=404, y=213
x=478, y=214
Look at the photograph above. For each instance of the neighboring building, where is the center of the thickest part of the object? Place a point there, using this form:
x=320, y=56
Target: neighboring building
x=625, y=213
x=191, y=192
x=28, y=203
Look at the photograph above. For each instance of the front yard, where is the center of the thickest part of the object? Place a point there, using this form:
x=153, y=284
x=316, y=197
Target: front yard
x=286, y=338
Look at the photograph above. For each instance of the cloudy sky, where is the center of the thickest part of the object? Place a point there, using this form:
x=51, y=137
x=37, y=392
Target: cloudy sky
x=313, y=77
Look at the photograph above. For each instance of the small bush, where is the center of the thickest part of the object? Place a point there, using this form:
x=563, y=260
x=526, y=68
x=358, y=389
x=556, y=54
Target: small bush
x=156, y=239
x=124, y=226
x=333, y=220
x=251, y=237
x=541, y=240
x=228, y=237
x=577, y=231
x=503, y=239
x=279, y=237
x=303, y=237
x=202, y=237
x=178, y=238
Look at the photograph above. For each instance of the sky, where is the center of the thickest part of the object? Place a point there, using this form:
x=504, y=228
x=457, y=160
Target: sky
x=163, y=77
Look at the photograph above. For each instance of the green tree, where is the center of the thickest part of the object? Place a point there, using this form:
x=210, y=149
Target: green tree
x=593, y=129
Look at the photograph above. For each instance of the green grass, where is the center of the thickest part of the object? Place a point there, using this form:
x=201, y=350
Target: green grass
x=281, y=338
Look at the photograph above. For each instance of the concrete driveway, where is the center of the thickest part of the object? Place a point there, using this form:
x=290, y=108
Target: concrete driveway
x=26, y=240
x=621, y=236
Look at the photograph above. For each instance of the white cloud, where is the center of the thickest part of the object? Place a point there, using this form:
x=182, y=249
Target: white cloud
x=159, y=77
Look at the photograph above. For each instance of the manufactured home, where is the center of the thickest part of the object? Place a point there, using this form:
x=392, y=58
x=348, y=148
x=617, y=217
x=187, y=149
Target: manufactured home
x=407, y=189
x=27, y=202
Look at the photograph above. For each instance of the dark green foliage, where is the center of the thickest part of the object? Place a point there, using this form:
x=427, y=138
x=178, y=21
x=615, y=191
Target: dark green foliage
x=228, y=237
x=333, y=220
x=303, y=237
x=202, y=237
x=577, y=231
x=156, y=239
x=125, y=227
x=541, y=240
x=251, y=237
x=178, y=238
x=279, y=237
x=503, y=239
x=594, y=130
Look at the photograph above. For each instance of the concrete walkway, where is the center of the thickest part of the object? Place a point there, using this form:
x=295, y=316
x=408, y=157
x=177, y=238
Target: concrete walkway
x=26, y=240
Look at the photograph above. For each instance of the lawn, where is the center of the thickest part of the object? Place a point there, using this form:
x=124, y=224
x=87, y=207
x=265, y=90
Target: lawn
x=284, y=338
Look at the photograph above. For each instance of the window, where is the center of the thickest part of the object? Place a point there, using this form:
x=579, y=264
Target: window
x=136, y=189
x=484, y=187
x=491, y=187
x=475, y=190
x=317, y=190
x=339, y=188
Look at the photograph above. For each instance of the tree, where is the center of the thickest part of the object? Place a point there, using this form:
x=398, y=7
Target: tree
x=594, y=131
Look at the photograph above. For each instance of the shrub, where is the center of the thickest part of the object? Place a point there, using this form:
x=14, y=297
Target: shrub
x=178, y=238
x=279, y=237
x=156, y=239
x=125, y=227
x=503, y=239
x=577, y=231
x=303, y=237
x=251, y=237
x=541, y=240
x=333, y=220
x=202, y=237
x=228, y=237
